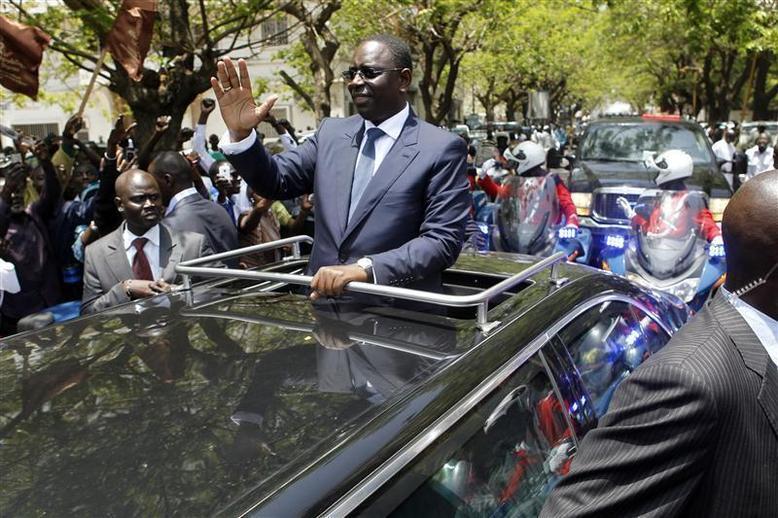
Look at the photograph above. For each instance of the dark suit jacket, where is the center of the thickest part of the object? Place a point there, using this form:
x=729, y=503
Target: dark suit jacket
x=106, y=265
x=692, y=432
x=411, y=218
x=196, y=214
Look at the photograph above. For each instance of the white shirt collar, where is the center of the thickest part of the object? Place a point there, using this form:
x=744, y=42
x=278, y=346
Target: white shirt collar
x=178, y=197
x=151, y=234
x=764, y=327
x=392, y=126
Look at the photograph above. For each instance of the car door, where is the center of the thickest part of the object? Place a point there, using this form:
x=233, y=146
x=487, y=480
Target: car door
x=604, y=344
x=502, y=458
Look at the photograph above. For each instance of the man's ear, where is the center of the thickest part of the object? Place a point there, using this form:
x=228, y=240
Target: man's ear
x=405, y=80
x=118, y=202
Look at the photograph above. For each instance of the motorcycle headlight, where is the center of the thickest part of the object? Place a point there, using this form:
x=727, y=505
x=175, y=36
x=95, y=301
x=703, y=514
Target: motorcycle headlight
x=582, y=202
x=717, y=206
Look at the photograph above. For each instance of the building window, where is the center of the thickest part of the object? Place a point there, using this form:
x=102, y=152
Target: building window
x=274, y=31
x=37, y=130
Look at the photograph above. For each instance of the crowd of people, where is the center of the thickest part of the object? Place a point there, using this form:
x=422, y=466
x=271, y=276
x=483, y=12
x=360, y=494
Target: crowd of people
x=66, y=206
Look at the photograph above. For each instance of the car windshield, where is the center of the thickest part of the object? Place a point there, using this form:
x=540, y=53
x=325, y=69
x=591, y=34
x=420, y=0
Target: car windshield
x=628, y=141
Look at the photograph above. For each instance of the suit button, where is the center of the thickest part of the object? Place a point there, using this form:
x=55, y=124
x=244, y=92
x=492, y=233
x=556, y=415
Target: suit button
x=342, y=259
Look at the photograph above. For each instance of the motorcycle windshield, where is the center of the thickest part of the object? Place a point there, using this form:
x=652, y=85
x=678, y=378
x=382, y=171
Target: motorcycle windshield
x=669, y=231
x=528, y=209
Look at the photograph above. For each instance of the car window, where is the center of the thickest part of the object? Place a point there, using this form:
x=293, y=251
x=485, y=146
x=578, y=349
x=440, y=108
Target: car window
x=502, y=459
x=608, y=342
x=628, y=141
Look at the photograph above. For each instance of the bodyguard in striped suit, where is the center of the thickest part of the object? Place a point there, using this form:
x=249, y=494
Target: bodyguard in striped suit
x=694, y=430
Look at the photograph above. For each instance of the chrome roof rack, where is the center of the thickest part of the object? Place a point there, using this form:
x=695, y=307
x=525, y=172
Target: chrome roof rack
x=479, y=300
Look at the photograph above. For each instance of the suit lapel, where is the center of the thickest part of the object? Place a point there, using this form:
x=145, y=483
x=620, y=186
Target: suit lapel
x=344, y=173
x=116, y=256
x=753, y=353
x=170, y=252
x=394, y=164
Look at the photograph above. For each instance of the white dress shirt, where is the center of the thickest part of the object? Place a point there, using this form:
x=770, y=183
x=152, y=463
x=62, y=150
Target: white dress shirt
x=759, y=162
x=200, y=145
x=724, y=151
x=151, y=248
x=180, y=196
x=764, y=327
x=392, y=127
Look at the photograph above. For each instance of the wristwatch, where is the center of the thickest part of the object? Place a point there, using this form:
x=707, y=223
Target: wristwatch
x=366, y=264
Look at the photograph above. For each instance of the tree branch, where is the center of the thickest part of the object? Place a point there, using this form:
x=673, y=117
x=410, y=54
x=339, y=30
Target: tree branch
x=298, y=89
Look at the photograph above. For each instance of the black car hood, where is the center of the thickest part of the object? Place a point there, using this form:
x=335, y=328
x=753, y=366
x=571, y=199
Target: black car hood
x=593, y=174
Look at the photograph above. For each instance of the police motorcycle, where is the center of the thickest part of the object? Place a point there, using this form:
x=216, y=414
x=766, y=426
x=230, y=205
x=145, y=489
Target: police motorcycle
x=527, y=217
x=667, y=248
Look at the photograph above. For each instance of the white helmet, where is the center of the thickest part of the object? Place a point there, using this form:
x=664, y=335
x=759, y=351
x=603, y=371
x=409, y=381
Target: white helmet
x=525, y=156
x=672, y=165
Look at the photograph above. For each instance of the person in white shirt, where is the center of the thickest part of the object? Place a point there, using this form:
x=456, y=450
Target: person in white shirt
x=725, y=150
x=760, y=157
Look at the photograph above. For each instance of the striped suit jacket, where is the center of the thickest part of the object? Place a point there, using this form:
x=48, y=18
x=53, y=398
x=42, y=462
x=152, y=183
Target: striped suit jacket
x=692, y=432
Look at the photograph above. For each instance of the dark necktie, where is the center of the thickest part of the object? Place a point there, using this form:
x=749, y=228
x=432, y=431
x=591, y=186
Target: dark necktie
x=364, y=171
x=141, y=269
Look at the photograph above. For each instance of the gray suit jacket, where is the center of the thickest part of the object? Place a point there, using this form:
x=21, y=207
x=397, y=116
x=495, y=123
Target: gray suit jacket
x=692, y=432
x=196, y=214
x=106, y=265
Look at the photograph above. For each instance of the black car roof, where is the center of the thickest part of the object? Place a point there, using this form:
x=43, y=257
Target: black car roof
x=211, y=403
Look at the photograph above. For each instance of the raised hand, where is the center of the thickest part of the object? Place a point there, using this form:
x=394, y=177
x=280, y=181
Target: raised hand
x=162, y=123
x=117, y=135
x=73, y=126
x=233, y=93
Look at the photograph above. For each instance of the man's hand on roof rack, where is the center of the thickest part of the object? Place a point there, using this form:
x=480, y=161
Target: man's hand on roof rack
x=329, y=281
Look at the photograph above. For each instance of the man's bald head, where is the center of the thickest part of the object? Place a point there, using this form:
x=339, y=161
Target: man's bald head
x=173, y=173
x=750, y=232
x=138, y=200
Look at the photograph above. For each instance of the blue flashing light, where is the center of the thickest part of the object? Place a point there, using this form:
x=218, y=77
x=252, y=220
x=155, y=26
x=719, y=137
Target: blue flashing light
x=614, y=241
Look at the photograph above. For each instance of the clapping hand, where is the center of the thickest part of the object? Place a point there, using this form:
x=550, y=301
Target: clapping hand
x=233, y=92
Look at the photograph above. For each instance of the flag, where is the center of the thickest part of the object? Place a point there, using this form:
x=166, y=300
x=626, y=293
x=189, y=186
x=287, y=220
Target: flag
x=130, y=37
x=21, y=52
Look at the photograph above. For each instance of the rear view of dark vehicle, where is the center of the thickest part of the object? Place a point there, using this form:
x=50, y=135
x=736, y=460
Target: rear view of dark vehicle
x=610, y=164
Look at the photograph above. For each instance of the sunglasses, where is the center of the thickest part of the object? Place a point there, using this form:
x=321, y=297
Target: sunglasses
x=365, y=72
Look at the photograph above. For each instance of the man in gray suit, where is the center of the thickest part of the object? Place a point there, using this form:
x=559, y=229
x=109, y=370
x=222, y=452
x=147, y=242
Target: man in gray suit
x=392, y=196
x=138, y=259
x=694, y=430
x=186, y=209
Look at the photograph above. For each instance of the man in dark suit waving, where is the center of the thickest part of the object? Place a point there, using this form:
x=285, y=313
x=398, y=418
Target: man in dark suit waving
x=694, y=430
x=391, y=190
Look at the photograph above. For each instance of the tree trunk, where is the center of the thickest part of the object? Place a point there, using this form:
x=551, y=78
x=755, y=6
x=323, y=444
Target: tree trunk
x=763, y=96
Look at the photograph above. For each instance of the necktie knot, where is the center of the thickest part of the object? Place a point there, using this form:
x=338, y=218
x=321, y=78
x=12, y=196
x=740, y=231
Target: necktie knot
x=139, y=243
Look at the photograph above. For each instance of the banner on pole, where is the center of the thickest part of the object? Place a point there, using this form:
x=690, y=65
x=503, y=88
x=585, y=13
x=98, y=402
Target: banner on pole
x=539, y=105
x=130, y=37
x=21, y=52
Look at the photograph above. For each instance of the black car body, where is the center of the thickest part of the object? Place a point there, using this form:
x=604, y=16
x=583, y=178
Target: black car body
x=241, y=397
x=609, y=163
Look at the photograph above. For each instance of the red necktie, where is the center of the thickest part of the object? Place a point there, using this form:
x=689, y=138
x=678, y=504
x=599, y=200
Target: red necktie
x=141, y=268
